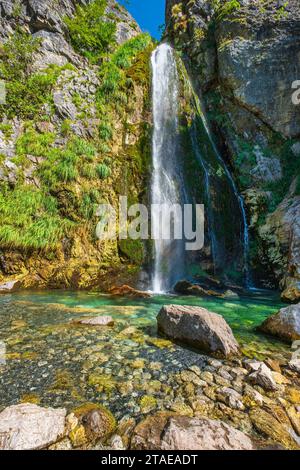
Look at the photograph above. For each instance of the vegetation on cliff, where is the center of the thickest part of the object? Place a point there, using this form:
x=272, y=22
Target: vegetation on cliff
x=68, y=135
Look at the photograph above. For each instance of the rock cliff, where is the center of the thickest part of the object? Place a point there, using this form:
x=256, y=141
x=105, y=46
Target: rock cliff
x=244, y=58
x=74, y=133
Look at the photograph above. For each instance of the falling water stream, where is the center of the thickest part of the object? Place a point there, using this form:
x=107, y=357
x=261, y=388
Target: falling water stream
x=167, y=182
x=166, y=179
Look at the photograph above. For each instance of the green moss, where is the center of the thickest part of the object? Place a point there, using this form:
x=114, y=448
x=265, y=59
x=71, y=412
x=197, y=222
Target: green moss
x=102, y=382
x=109, y=422
x=148, y=403
x=133, y=250
x=63, y=380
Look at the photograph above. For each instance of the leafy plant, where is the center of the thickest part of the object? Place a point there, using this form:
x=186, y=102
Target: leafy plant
x=103, y=171
x=25, y=92
x=30, y=219
x=91, y=35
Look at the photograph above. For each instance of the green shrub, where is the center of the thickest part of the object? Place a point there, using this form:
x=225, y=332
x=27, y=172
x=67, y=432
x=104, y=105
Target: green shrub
x=225, y=8
x=25, y=92
x=29, y=219
x=113, y=73
x=90, y=35
x=103, y=171
x=105, y=131
x=87, y=170
x=82, y=148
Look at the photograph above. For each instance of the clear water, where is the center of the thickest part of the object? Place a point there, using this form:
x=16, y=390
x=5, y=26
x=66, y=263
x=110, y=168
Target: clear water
x=51, y=360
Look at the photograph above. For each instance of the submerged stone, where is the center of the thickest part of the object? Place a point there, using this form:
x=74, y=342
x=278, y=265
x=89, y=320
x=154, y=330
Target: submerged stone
x=267, y=424
x=96, y=321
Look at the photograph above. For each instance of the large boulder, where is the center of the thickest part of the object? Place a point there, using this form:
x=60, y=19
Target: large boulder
x=30, y=427
x=197, y=327
x=162, y=432
x=285, y=324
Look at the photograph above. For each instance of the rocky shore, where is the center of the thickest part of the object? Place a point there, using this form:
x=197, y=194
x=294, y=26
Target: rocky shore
x=213, y=403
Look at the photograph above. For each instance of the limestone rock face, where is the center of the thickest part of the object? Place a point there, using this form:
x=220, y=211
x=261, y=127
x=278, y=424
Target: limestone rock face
x=30, y=427
x=69, y=112
x=285, y=324
x=241, y=58
x=281, y=233
x=46, y=15
x=197, y=327
x=184, y=433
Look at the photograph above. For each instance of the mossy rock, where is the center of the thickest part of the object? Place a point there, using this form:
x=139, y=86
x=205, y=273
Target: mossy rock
x=147, y=403
x=133, y=250
x=98, y=423
x=102, y=382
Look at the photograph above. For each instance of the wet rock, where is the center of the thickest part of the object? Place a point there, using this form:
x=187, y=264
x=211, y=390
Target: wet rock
x=191, y=377
x=231, y=398
x=273, y=365
x=127, y=291
x=29, y=427
x=294, y=365
x=116, y=443
x=94, y=422
x=291, y=294
x=263, y=377
x=9, y=287
x=187, y=288
x=64, y=444
x=197, y=327
x=267, y=424
x=285, y=324
x=96, y=321
x=252, y=397
x=294, y=417
x=280, y=379
x=163, y=432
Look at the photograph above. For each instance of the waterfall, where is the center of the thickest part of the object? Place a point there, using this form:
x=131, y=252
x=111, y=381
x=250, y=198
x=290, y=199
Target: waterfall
x=166, y=178
x=245, y=228
x=227, y=230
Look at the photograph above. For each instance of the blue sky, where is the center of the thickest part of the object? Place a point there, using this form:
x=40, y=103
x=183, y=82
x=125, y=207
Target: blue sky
x=149, y=14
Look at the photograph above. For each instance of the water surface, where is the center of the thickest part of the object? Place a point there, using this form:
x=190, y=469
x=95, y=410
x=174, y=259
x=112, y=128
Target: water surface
x=52, y=361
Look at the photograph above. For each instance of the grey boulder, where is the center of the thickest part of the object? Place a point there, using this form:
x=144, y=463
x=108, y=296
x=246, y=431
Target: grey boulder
x=199, y=328
x=285, y=324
